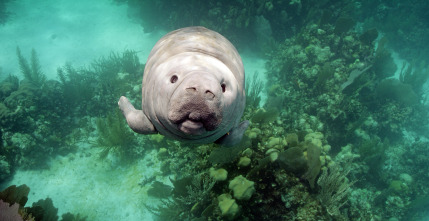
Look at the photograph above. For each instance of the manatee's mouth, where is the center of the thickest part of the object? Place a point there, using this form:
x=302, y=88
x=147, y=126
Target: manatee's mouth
x=197, y=122
x=194, y=116
x=192, y=127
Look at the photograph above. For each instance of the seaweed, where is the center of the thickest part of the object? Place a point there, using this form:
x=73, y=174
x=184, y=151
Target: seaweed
x=72, y=217
x=94, y=90
x=197, y=191
x=343, y=24
x=115, y=73
x=191, y=199
x=325, y=18
x=223, y=154
x=159, y=190
x=394, y=90
x=8, y=85
x=32, y=71
x=130, y=63
x=325, y=73
x=253, y=91
x=292, y=160
x=369, y=36
x=334, y=190
x=108, y=67
x=77, y=90
x=313, y=163
x=264, y=116
x=14, y=194
x=237, y=19
x=168, y=210
x=416, y=75
x=114, y=135
x=417, y=209
x=44, y=210
x=383, y=64
x=373, y=154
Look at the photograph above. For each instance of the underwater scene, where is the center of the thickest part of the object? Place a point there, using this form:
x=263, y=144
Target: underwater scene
x=326, y=118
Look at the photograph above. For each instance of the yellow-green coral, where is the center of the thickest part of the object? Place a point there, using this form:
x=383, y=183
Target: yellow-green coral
x=243, y=162
x=228, y=206
x=242, y=188
x=218, y=174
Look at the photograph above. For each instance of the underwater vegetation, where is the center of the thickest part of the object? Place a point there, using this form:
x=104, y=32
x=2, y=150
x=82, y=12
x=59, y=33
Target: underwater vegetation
x=31, y=117
x=404, y=23
x=254, y=89
x=94, y=90
x=12, y=207
x=258, y=21
x=256, y=182
x=115, y=136
x=329, y=143
x=338, y=138
x=41, y=117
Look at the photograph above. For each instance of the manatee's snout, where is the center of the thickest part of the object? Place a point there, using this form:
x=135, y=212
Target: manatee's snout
x=200, y=84
x=195, y=106
x=201, y=91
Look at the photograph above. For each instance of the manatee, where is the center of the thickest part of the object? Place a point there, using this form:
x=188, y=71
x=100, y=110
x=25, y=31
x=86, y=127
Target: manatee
x=192, y=89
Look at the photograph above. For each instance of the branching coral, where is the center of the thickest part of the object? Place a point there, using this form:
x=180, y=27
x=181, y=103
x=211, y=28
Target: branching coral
x=191, y=197
x=415, y=75
x=91, y=90
x=13, y=200
x=198, y=191
x=253, y=91
x=31, y=71
x=113, y=134
x=77, y=90
x=334, y=189
x=9, y=213
x=8, y=85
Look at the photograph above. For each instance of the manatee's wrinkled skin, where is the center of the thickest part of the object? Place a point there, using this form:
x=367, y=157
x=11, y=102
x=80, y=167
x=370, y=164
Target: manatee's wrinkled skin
x=192, y=90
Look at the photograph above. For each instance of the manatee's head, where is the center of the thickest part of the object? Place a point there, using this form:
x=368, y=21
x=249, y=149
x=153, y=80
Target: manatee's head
x=201, y=99
x=196, y=105
x=193, y=85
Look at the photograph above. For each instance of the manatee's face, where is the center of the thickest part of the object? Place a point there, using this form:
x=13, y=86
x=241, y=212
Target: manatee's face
x=201, y=98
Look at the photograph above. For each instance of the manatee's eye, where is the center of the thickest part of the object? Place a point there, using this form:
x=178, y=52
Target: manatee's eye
x=173, y=79
x=223, y=87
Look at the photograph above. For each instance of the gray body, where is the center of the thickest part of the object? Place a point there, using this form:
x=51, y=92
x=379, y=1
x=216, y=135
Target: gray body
x=192, y=90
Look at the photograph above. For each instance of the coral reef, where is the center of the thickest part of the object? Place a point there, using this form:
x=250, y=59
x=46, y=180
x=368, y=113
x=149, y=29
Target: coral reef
x=333, y=101
x=242, y=188
x=340, y=136
x=115, y=136
x=258, y=21
x=13, y=200
x=334, y=190
x=394, y=19
x=41, y=118
x=4, y=168
x=228, y=206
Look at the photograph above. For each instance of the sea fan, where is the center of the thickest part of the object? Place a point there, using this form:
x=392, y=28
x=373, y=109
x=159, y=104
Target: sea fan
x=9, y=213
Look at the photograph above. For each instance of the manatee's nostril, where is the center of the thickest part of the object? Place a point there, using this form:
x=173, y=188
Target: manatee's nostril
x=191, y=89
x=209, y=95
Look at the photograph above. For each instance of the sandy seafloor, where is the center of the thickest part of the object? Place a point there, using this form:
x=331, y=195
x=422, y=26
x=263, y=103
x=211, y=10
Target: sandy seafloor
x=78, y=32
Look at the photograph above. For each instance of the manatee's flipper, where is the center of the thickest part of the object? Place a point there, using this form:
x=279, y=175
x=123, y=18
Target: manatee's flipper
x=234, y=136
x=136, y=119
